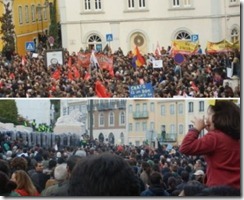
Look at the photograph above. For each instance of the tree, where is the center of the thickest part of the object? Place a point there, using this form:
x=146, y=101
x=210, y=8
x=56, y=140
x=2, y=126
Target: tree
x=7, y=31
x=54, y=28
x=8, y=111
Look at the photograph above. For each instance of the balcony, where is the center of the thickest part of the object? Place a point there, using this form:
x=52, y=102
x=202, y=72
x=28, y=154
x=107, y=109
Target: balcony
x=121, y=105
x=140, y=114
x=169, y=137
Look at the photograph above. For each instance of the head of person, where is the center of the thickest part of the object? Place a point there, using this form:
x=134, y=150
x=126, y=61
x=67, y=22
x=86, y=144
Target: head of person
x=23, y=181
x=192, y=188
x=39, y=166
x=18, y=163
x=105, y=174
x=224, y=116
x=60, y=172
x=4, y=167
x=6, y=185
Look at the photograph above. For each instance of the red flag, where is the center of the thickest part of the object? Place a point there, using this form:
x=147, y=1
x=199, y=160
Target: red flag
x=12, y=76
x=101, y=91
x=56, y=74
x=70, y=62
x=23, y=61
x=70, y=75
x=84, y=59
x=158, y=50
x=76, y=72
x=193, y=86
x=87, y=76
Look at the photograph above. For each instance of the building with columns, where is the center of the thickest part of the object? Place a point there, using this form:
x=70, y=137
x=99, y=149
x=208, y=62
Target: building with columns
x=126, y=23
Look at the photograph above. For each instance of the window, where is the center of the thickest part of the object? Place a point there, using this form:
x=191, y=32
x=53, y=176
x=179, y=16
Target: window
x=172, y=109
x=33, y=13
x=137, y=126
x=87, y=4
x=122, y=118
x=45, y=14
x=163, y=111
x=190, y=108
x=101, y=119
x=131, y=4
x=180, y=108
x=152, y=125
x=152, y=107
x=111, y=118
x=234, y=35
x=142, y=4
x=130, y=108
x=26, y=14
x=98, y=5
x=144, y=126
x=183, y=35
x=201, y=106
x=20, y=15
x=144, y=107
x=94, y=38
x=172, y=128
x=137, y=107
x=176, y=3
x=187, y=3
x=130, y=127
x=39, y=12
x=181, y=129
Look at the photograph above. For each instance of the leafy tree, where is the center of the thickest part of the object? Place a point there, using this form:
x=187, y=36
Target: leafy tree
x=54, y=28
x=8, y=111
x=7, y=31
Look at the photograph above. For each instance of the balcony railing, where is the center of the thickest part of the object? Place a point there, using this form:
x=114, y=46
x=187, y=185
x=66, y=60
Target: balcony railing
x=169, y=137
x=140, y=114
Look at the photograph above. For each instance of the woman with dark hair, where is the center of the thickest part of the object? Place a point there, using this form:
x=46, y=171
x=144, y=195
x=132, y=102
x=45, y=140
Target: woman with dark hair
x=220, y=146
x=7, y=186
x=25, y=186
x=103, y=175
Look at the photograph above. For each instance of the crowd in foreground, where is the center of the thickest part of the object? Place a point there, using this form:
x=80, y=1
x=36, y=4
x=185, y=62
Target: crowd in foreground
x=101, y=169
x=200, y=75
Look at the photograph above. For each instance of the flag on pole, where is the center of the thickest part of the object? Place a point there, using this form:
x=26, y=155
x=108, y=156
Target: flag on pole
x=93, y=60
x=158, y=50
x=101, y=91
x=23, y=61
x=138, y=59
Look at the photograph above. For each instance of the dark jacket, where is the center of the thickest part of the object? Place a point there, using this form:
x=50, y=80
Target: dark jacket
x=154, y=191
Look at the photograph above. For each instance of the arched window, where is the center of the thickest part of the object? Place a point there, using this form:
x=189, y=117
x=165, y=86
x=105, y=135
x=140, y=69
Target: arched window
x=111, y=138
x=122, y=118
x=111, y=118
x=122, y=138
x=234, y=35
x=95, y=42
x=101, y=137
x=183, y=35
x=101, y=119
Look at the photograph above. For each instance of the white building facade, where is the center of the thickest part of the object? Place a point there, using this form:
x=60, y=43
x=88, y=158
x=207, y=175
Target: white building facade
x=126, y=23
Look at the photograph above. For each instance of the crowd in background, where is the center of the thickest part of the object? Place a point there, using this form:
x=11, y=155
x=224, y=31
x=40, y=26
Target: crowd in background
x=200, y=75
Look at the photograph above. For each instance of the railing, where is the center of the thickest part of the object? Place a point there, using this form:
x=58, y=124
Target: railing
x=140, y=114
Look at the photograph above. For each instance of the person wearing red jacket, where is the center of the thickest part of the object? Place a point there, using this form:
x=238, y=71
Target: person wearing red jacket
x=220, y=146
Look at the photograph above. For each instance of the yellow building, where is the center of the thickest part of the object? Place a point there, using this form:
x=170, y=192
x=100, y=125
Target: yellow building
x=31, y=19
x=166, y=120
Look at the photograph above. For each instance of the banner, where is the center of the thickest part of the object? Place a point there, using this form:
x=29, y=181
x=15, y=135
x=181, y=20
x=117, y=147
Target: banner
x=141, y=91
x=84, y=59
x=106, y=62
x=184, y=47
x=157, y=63
x=218, y=47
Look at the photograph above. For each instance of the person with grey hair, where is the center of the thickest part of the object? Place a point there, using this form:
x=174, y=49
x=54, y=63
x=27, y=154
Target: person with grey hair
x=60, y=175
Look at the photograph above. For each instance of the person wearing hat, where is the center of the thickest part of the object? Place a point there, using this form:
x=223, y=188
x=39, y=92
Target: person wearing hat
x=199, y=176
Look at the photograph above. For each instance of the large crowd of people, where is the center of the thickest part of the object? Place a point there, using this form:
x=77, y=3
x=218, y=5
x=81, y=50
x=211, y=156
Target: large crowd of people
x=200, y=75
x=205, y=166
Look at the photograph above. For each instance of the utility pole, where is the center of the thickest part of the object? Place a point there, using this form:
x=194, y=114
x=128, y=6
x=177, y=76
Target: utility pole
x=91, y=119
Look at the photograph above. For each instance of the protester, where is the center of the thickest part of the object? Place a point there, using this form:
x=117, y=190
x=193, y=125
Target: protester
x=221, y=145
x=200, y=75
x=25, y=187
x=103, y=175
